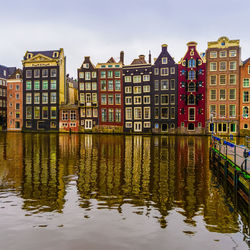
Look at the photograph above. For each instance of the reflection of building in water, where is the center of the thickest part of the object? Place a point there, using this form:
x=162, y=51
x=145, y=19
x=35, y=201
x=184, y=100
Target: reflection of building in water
x=43, y=186
x=11, y=146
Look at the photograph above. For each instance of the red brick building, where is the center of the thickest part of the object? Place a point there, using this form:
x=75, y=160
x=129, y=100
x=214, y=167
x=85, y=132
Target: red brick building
x=191, y=92
x=110, y=95
x=15, y=101
x=69, y=118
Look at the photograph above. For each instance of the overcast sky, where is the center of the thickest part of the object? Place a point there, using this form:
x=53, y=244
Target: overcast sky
x=102, y=29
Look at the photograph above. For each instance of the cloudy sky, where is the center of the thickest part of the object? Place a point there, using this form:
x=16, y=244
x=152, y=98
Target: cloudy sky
x=102, y=29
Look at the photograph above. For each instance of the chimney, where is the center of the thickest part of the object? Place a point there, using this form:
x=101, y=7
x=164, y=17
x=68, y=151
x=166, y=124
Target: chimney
x=122, y=57
x=149, y=57
x=164, y=47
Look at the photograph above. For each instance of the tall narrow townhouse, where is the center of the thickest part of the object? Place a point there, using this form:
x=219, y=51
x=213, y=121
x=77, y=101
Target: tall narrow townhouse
x=44, y=89
x=110, y=95
x=138, y=96
x=15, y=101
x=165, y=93
x=5, y=72
x=88, y=95
x=245, y=97
x=191, y=92
x=223, y=77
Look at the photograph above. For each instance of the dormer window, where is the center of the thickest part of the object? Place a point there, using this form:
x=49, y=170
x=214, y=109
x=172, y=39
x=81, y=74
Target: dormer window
x=86, y=65
x=55, y=54
x=29, y=55
x=17, y=76
x=4, y=73
x=164, y=60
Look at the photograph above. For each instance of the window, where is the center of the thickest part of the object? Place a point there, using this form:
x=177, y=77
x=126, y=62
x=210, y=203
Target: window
x=222, y=94
x=128, y=124
x=213, y=80
x=28, y=85
x=232, y=65
x=17, y=96
x=117, y=74
x=164, y=99
x=223, y=53
x=104, y=115
x=245, y=126
x=53, y=73
x=94, y=86
x=137, y=100
x=87, y=76
x=245, y=112
x=94, y=97
x=36, y=112
x=137, y=89
x=222, y=111
x=128, y=113
x=156, y=99
x=232, y=111
x=17, y=87
x=117, y=99
x=232, y=94
x=172, y=113
x=72, y=115
x=191, y=114
x=53, y=84
x=146, y=112
x=103, y=85
x=164, y=60
x=232, y=79
x=213, y=110
x=45, y=84
x=117, y=85
x=212, y=94
x=137, y=113
x=103, y=74
x=103, y=99
x=146, y=88
x=249, y=70
x=191, y=63
x=191, y=99
x=222, y=79
x=82, y=99
x=28, y=73
x=37, y=98
x=172, y=99
x=88, y=85
x=164, y=84
x=94, y=74
x=53, y=113
x=118, y=115
x=45, y=73
x=146, y=99
x=128, y=100
x=136, y=79
x=110, y=74
x=81, y=75
x=17, y=106
x=191, y=87
x=213, y=54
x=172, y=70
x=156, y=71
x=36, y=85
x=127, y=79
x=17, y=115
x=156, y=84
x=44, y=98
x=53, y=97
x=232, y=53
x=95, y=112
x=147, y=124
x=81, y=86
x=164, y=113
x=37, y=73
x=28, y=98
x=245, y=82
x=164, y=71
x=191, y=75
x=88, y=98
x=213, y=66
x=245, y=96
x=64, y=115
x=28, y=112
x=111, y=115
x=156, y=113
x=146, y=78
x=128, y=90
x=110, y=85
x=172, y=84
x=223, y=66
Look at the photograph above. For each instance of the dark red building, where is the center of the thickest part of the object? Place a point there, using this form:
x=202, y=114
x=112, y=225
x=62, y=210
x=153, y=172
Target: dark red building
x=191, y=92
x=110, y=95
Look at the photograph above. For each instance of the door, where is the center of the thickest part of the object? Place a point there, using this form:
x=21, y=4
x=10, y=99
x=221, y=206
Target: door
x=88, y=124
x=137, y=126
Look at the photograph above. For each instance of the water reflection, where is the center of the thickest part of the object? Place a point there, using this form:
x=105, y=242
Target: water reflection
x=153, y=175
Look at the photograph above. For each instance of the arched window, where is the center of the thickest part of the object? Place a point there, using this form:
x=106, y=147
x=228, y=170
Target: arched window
x=191, y=63
x=191, y=99
x=191, y=75
x=191, y=87
x=245, y=112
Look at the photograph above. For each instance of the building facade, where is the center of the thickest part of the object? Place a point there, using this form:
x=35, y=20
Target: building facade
x=223, y=86
x=244, y=96
x=15, y=101
x=191, y=92
x=138, y=78
x=69, y=118
x=44, y=89
x=5, y=72
x=165, y=93
x=88, y=95
x=110, y=95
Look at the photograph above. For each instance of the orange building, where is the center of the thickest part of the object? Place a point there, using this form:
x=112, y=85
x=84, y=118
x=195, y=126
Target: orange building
x=15, y=101
x=244, y=96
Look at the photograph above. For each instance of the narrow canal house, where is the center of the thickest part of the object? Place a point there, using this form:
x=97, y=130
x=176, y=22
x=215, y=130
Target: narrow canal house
x=15, y=101
x=191, y=92
x=223, y=86
x=88, y=95
x=165, y=93
x=244, y=97
x=110, y=95
x=138, y=96
x=44, y=89
x=5, y=72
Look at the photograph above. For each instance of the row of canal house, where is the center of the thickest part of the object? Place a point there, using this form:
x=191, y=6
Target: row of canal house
x=199, y=93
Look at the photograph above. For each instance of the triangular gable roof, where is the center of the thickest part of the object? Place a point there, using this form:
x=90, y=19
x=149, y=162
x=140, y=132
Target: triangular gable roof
x=111, y=60
x=244, y=62
x=39, y=57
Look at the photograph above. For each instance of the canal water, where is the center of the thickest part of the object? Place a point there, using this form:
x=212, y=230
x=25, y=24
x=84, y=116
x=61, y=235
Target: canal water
x=114, y=192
